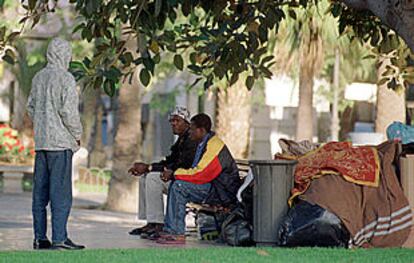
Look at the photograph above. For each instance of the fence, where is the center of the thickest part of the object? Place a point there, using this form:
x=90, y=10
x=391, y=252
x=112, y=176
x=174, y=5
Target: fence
x=93, y=180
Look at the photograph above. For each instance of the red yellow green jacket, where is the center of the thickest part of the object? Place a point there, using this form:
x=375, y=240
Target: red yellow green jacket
x=218, y=167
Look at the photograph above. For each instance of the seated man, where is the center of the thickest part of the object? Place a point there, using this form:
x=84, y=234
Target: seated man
x=151, y=189
x=213, y=179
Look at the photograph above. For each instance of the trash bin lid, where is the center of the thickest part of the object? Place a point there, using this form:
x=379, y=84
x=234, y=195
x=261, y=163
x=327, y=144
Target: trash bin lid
x=272, y=162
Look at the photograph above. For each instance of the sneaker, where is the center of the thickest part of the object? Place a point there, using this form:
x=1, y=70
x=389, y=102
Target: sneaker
x=153, y=232
x=41, y=244
x=140, y=230
x=68, y=244
x=171, y=240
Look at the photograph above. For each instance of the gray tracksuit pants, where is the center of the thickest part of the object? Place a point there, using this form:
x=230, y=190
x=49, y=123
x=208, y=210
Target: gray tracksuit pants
x=151, y=198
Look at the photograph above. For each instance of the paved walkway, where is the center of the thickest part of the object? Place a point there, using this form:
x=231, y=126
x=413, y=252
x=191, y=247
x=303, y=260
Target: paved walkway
x=91, y=227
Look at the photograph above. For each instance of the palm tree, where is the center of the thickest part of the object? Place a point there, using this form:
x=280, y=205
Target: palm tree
x=390, y=104
x=312, y=41
x=300, y=41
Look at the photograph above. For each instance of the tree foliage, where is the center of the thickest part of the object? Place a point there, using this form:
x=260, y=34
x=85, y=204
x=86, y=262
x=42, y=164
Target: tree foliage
x=220, y=39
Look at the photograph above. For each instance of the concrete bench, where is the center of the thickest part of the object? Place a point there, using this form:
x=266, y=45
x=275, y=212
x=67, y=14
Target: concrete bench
x=13, y=177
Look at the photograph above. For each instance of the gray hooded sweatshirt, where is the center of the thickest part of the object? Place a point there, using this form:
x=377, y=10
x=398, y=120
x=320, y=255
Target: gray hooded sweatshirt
x=53, y=104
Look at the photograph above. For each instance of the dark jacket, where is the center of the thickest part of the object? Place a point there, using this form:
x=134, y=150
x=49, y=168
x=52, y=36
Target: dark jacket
x=217, y=167
x=182, y=155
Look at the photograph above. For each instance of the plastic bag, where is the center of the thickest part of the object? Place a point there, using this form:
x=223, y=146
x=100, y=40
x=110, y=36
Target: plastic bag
x=311, y=225
x=400, y=132
x=236, y=230
x=208, y=225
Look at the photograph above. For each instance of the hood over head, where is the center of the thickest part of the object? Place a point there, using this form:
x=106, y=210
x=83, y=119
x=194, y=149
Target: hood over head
x=59, y=53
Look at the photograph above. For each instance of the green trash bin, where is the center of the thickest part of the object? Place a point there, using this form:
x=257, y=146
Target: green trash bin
x=273, y=180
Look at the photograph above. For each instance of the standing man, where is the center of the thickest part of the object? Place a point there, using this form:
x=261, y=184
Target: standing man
x=152, y=188
x=53, y=107
x=212, y=179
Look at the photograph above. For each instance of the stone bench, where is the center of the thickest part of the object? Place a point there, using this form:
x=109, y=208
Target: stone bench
x=13, y=177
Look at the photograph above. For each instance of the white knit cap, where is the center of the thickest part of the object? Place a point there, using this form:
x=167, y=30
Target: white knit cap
x=181, y=112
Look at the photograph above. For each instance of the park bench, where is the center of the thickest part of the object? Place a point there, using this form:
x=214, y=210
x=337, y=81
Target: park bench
x=243, y=166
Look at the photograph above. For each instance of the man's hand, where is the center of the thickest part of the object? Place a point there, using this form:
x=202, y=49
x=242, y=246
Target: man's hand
x=167, y=175
x=139, y=169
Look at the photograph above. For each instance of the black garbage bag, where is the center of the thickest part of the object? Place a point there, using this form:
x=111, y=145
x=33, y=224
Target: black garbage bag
x=312, y=226
x=209, y=224
x=236, y=230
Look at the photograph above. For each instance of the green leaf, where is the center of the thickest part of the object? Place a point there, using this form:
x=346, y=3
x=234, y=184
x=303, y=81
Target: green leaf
x=195, y=82
x=178, y=62
x=92, y=6
x=158, y=5
x=2, y=32
x=234, y=78
x=145, y=77
x=267, y=59
x=9, y=57
x=98, y=83
x=392, y=84
x=195, y=69
x=336, y=10
x=250, y=82
x=292, y=14
x=383, y=81
x=193, y=58
x=77, y=65
x=208, y=82
x=157, y=58
x=78, y=27
x=149, y=64
x=86, y=34
x=127, y=58
x=32, y=4
x=113, y=74
x=13, y=36
x=369, y=57
x=1, y=3
x=109, y=87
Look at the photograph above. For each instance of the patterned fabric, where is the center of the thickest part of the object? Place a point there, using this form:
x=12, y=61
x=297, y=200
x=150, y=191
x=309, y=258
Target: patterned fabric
x=182, y=112
x=359, y=165
x=398, y=131
x=374, y=216
x=53, y=102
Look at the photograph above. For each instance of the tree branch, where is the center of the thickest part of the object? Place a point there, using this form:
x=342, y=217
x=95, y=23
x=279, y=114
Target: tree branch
x=397, y=14
x=356, y=4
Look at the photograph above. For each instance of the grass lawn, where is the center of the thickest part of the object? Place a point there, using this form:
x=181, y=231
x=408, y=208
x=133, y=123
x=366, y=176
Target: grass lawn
x=210, y=255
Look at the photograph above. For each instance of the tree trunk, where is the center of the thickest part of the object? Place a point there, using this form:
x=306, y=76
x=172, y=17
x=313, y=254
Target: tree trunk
x=304, y=121
x=397, y=14
x=233, y=119
x=89, y=119
x=97, y=157
x=123, y=190
x=311, y=60
x=335, y=120
x=390, y=105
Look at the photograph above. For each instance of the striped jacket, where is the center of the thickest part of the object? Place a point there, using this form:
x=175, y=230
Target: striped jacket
x=217, y=167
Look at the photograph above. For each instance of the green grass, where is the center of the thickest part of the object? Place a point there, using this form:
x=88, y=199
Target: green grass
x=210, y=255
